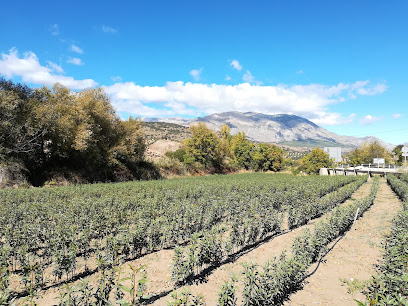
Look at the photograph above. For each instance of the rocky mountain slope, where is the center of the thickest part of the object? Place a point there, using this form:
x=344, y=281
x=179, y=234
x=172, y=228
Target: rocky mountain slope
x=281, y=128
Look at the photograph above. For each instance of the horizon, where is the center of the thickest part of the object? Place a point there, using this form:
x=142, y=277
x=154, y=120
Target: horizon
x=341, y=66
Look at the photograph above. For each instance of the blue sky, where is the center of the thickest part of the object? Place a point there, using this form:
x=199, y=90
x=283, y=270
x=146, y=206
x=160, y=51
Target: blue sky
x=341, y=64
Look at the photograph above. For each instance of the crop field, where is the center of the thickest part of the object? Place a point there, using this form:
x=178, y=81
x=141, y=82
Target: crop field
x=94, y=244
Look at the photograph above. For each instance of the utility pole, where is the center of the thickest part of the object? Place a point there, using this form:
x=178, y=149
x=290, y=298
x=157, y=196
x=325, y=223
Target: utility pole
x=404, y=151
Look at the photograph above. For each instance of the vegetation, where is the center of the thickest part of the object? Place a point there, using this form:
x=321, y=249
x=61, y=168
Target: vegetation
x=389, y=285
x=316, y=160
x=51, y=236
x=312, y=143
x=397, y=154
x=367, y=153
x=284, y=274
x=207, y=151
x=76, y=134
x=247, y=223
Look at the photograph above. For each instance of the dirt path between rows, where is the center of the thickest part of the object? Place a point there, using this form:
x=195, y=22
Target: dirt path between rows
x=264, y=252
x=353, y=257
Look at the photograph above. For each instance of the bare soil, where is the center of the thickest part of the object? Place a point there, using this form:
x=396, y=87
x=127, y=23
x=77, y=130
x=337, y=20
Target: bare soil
x=158, y=148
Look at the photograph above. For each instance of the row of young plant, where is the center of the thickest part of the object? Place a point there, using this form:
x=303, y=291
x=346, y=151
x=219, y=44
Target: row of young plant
x=257, y=221
x=404, y=177
x=215, y=245
x=389, y=286
x=301, y=212
x=49, y=230
x=271, y=284
x=399, y=186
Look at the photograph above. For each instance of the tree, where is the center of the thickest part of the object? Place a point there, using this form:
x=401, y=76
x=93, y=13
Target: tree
x=316, y=160
x=225, y=141
x=267, y=157
x=367, y=153
x=397, y=154
x=203, y=147
x=50, y=129
x=20, y=134
x=243, y=150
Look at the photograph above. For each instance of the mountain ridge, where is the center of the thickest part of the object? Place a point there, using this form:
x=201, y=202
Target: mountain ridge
x=278, y=128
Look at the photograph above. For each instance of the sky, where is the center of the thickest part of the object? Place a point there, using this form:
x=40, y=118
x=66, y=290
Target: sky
x=341, y=64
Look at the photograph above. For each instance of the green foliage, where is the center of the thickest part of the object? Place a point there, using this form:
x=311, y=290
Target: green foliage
x=203, y=147
x=281, y=276
x=137, y=288
x=397, y=155
x=186, y=298
x=267, y=157
x=367, y=153
x=170, y=166
x=178, y=154
x=252, y=220
x=389, y=285
x=51, y=129
x=227, y=294
x=243, y=150
x=106, y=225
x=316, y=160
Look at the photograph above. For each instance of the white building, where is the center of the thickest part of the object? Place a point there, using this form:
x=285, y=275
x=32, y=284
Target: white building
x=334, y=152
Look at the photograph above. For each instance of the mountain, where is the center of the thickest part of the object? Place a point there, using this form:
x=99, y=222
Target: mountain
x=283, y=128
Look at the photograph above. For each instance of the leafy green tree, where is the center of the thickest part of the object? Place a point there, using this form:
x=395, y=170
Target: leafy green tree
x=243, y=150
x=267, y=157
x=178, y=154
x=47, y=130
x=203, y=147
x=316, y=160
x=397, y=154
x=367, y=153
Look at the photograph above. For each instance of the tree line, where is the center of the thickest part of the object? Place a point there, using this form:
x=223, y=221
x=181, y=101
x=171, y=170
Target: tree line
x=211, y=152
x=45, y=131
x=48, y=134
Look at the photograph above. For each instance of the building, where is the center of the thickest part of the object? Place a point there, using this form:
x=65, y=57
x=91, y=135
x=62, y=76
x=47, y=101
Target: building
x=334, y=152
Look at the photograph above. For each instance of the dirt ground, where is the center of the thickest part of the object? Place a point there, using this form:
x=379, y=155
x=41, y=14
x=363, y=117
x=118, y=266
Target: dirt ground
x=353, y=258
x=160, y=147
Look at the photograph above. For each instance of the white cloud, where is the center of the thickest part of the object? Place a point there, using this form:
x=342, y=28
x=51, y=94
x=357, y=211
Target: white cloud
x=397, y=116
x=236, y=65
x=196, y=74
x=76, y=49
x=31, y=71
x=109, y=30
x=179, y=98
x=249, y=78
x=325, y=118
x=300, y=72
x=377, y=89
x=116, y=79
x=75, y=61
x=228, y=78
x=55, y=67
x=54, y=30
x=369, y=119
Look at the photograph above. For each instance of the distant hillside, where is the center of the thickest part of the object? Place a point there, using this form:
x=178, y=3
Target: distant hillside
x=167, y=131
x=162, y=137
x=283, y=128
